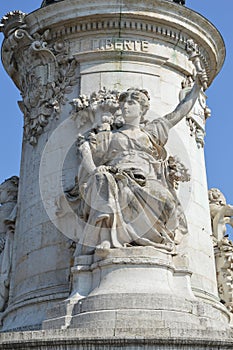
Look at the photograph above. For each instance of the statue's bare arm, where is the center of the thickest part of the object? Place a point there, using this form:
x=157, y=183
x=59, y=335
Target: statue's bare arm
x=87, y=160
x=185, y=106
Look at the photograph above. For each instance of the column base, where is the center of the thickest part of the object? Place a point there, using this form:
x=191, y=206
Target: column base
x=74, y=339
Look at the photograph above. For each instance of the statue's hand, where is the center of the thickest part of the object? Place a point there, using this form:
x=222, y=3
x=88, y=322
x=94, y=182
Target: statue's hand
x=202, y=79
x=102, y=169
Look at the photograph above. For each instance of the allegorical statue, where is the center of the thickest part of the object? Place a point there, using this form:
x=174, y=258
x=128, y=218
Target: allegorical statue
x=123, y=188
x=8, y=209
x=221, y=214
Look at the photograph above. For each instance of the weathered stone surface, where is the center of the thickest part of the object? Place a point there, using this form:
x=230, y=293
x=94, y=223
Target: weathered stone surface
x=75, y=339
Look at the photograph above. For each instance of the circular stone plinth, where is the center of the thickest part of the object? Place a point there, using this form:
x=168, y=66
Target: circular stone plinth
x=80, y=340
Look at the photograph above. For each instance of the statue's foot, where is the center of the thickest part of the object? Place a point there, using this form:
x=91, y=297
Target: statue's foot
x=103, y=248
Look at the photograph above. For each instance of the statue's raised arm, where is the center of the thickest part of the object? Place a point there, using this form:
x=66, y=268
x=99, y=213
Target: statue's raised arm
x=185, y=106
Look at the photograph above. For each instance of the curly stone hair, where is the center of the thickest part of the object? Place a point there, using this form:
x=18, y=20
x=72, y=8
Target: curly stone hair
x=140, y=95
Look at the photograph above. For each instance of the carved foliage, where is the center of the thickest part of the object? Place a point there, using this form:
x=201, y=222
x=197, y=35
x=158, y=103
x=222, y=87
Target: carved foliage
x=42, y=102
x=177, y=172
x=100, y=109
x=45, y=75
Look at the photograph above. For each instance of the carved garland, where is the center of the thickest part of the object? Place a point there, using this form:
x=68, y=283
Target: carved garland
x=42, y=102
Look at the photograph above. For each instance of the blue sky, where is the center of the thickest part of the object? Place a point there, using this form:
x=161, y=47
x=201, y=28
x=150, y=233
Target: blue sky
x=219, y=139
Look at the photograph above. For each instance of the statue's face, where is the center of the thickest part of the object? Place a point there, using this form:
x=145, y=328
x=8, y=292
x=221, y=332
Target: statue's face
x=131, y=109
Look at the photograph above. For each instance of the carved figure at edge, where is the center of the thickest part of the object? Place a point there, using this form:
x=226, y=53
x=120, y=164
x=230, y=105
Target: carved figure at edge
x=125, y=196
x=221, y=214
x=8, y=200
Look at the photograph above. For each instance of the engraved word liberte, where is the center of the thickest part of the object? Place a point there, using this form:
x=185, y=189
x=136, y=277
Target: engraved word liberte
x=120, y=45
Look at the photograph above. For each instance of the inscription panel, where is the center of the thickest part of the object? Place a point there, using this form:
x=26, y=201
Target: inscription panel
x=119, y=44
x=113, y=44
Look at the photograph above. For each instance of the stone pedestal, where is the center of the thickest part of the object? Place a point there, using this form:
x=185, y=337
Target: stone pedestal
x=134, y=291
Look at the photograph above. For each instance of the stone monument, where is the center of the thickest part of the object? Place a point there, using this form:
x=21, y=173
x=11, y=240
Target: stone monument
x=112, y=241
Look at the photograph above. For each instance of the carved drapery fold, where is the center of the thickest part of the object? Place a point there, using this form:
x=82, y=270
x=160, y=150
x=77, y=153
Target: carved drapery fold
x=112, y=157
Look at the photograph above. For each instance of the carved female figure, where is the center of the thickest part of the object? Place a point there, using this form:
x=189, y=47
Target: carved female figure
x=126, y=198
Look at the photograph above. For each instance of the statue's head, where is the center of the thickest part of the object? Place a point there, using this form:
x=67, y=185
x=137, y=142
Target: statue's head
x=216, y=197
x=138, y=95
x=9, y=190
